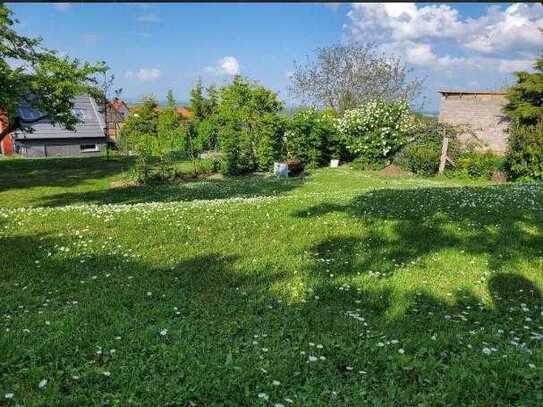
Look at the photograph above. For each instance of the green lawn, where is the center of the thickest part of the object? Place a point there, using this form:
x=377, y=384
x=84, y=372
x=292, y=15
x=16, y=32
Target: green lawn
x=340, y=288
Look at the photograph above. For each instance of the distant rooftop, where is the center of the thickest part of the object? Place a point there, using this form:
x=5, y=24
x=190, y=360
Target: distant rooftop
x=472, y=92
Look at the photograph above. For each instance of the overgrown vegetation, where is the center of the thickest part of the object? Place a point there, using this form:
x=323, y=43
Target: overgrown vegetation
x=312, y=137
x=422, y=154
x=525, y=109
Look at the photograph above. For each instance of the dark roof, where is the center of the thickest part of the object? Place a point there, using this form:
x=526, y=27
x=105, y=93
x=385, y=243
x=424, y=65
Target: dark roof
x=91, y=126
x=472, y=92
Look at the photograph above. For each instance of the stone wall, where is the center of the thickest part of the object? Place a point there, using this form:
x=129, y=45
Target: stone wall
x=482, y=112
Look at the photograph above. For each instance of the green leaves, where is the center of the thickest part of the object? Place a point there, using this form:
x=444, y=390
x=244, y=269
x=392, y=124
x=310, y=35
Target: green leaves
x=376, y=130
x=525, y=98
x=38, y=77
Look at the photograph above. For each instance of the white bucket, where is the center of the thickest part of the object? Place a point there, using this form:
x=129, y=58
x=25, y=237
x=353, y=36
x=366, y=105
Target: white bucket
x=280, y=169
x=334, y=163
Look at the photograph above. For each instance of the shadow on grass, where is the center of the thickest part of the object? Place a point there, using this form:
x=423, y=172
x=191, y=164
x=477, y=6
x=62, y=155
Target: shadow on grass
x=57, y=172
x=403, y=226
x=206, y=357
x=235, y=187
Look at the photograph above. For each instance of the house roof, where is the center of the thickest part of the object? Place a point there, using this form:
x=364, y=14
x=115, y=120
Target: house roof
x=471, y=92
x=119, y=105
x=91, y=125
x=184, y=112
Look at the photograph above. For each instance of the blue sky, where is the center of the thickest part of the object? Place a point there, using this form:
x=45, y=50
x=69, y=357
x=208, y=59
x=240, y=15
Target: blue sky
x=155, y=47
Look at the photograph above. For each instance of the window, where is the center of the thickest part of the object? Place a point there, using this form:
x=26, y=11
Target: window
x=79, y=114
x=88, y=148
x=29, y=114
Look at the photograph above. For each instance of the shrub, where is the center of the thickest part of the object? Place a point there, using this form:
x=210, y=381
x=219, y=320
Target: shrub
x=422, y=154
x=229, y=137
x=311, y=137
x=208, y=166
x=419, y=158
x=376, y=130
x=525, y=153
x=479, y=165
x=206, y=135
x=269, y=141
x=365, y=164
x=249, y=126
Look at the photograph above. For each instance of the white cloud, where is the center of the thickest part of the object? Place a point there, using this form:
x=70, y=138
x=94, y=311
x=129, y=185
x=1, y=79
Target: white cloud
x=225, y=66
x=450, y=49
x=514, y=29
x=144, y=74
x=421, y=54
x=148, y=18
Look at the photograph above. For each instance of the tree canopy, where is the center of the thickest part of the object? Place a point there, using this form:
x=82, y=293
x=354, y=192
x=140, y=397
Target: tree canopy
x=525, y=98
x=33, y=75
x=346, y=76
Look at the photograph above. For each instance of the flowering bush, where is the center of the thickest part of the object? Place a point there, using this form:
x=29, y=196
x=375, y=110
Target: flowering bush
x=376, y=130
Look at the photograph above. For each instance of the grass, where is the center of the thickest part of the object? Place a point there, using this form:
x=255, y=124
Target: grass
x=341, y=288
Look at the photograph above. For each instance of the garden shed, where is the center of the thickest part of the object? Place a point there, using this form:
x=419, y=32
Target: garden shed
x=481, y=111
x=47, y=140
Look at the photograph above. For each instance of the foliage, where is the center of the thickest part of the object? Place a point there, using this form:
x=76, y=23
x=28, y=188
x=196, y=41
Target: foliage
x=525, y=151
x=365, y=164
x=312, y=137
x=419, y=158
x=230, y=148
x=243, y=123
x=38, y=77
x=206, y=134
x=525, y=98
x=344, y=77
x=154, y=136
x=209, y=165
x=376, y=130
x=423, y=153
x=479, y=165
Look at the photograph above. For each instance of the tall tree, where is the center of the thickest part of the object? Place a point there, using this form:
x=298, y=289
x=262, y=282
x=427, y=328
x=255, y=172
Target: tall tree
x=525, y=98
x=35, y=76
x=197, y=101
x=345, y=76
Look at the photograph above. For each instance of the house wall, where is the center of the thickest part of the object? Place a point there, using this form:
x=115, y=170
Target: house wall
x=58, y=148
x=482, y=113
x=6, y=145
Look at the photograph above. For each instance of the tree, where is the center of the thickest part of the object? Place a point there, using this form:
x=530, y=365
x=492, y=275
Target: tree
x=525, y=98
x=141, y=122
x=246, y=111
x=35, y=76
x=345, y=76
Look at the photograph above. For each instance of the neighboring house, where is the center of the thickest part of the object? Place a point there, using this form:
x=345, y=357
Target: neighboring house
x=184, y=112
x=481, y=111
x=117, y=113
x=47, y=140
x=6, y=145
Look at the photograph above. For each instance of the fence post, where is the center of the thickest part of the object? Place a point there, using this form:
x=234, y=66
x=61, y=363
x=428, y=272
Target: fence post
x=443, y=159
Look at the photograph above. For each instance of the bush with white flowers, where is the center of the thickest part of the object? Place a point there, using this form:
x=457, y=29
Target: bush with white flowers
x=376, y=130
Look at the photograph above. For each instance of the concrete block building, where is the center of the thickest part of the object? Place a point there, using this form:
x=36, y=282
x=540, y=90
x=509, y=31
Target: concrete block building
x=481, y=111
